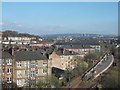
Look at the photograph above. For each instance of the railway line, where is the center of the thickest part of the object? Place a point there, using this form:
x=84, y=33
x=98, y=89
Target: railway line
x=93, y=73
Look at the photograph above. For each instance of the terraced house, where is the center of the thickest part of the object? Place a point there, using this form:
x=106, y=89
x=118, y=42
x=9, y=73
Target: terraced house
x=82, y=48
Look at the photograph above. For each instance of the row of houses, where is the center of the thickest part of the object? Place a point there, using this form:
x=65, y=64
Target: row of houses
x=24, y=67
x=18, y=40
x=81, y=48
x=26, y=41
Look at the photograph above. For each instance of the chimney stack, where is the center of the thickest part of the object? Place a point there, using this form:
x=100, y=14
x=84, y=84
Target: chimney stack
x=63, y=51
x=13, y=51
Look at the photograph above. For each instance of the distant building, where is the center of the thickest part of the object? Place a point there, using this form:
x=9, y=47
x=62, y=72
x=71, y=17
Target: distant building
x=20, y=40
x=24, y=65
x=41, y=44
x=0, y=37
x=82, y=48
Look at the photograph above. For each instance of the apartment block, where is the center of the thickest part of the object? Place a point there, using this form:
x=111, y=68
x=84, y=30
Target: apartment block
x=23, y=68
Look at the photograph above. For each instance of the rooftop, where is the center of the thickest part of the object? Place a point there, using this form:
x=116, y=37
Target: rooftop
x=29, y=55
x=65, y=52
x=6, y=55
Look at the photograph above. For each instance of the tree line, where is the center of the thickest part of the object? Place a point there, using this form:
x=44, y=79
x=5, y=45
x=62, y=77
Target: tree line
x=10, y=33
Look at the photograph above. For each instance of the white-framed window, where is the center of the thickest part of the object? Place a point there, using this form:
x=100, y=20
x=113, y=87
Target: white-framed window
x=19, y=73
x=62, y=57
x=33, y=82
x=3, y=71
x=9, y=71
x=32, y=73
x=25, y=64
x=3, y=62
x=18, y=64
x=9, y=80
x=45, y=63
x=3, y=80
x=26, y=73
x=9, y=62
x=28, y=64
x=36, y=71
x=44, y=71
x=26, y=81
x=19, y=82
x=36, y=63
x=70, y=57
x=33, y=65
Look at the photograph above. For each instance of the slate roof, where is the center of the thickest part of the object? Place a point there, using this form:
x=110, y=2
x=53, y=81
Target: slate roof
x=36, y=54
x=83, y=42
x=6, y=55
x=29, y=55
x=76, y=46
x=65, y=52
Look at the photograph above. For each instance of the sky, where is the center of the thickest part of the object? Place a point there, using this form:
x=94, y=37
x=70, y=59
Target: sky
x=60, y=17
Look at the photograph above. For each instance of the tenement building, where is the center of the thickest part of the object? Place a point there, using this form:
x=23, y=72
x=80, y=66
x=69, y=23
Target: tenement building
x=23, y=67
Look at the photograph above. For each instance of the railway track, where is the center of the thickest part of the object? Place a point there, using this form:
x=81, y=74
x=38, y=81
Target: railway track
x=77, y=82
x=74, y=83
